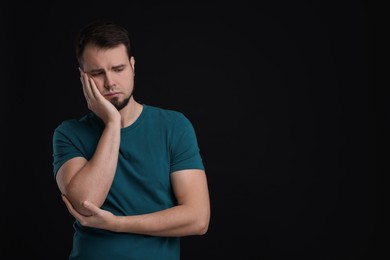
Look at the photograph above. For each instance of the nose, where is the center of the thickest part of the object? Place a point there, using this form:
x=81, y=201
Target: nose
x=109, y=81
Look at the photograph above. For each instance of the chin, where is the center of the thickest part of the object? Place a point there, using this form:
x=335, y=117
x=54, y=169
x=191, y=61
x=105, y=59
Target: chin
x=120, y=104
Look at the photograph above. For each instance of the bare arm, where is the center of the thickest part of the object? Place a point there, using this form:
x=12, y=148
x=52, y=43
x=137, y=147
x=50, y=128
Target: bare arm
x=82, y=180
x=190, y=217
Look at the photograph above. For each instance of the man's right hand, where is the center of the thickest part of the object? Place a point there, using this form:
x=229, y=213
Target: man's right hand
x=96, y=101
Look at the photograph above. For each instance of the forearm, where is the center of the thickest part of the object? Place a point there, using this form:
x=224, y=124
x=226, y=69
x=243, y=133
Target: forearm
x=93, y=181
x=182, y=220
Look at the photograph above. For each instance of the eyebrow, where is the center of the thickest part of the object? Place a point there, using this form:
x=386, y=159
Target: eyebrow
x=114, y=67
x=95, y=71
x=119, y=66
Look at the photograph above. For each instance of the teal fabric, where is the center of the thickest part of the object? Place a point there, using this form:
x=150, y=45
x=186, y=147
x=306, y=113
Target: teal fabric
x=159, y=142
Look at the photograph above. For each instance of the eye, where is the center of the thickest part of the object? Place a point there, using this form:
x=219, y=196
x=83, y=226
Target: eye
x=118, y=69
x=95, y=74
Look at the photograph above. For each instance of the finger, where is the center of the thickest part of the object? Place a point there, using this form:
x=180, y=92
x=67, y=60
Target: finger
x=67, y=203
x=89, y=85
x=70, y=207
x=65, y=199
x=84, y=91
x=85, y=80
x=94, y=90
x=91, y=207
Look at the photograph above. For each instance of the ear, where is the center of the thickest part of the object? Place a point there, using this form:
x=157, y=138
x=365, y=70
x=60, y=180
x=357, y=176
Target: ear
x=132, y=64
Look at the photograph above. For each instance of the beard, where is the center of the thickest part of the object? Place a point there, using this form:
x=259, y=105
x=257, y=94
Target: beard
x=119, y=105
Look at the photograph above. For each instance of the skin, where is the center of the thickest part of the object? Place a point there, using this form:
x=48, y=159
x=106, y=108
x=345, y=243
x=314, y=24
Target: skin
x=107, y=78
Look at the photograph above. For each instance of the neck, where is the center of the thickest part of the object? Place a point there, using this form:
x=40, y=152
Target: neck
x=130, y=113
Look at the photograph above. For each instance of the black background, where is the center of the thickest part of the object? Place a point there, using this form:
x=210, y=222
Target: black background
x=280, y=95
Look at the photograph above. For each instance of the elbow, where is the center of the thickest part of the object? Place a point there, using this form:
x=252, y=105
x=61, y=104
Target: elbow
x=77, y=198
x=77, y=202
x=202, y=225
x=202, y=230
x=77, y=205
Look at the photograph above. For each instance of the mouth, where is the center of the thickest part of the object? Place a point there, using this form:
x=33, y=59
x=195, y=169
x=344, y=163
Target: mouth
x=111, y=94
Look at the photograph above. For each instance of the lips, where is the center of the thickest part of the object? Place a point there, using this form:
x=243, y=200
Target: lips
x=111, y=94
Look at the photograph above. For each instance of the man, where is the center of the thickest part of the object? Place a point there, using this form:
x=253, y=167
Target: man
x=130, y=173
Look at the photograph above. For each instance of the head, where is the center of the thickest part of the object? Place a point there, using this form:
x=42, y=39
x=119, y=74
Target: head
x=103, y=51
x=102, y=34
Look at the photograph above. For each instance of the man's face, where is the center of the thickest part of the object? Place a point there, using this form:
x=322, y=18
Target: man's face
x=112, y=72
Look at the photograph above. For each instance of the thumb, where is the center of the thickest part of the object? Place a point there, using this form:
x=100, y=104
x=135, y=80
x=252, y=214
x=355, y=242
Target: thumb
x=89, y=205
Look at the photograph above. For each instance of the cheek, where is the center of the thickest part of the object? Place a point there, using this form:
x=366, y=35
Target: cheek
x=99, y=82
x=126, y=78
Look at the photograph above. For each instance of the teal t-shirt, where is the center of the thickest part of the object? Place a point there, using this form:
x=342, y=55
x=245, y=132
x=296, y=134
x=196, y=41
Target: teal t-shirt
x=158, y=143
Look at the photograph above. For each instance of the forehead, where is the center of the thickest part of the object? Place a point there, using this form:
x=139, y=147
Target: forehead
x=96, y=57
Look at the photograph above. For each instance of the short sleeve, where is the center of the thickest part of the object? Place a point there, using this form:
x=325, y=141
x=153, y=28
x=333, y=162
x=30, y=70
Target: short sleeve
x=185, y=152
x=63, y=148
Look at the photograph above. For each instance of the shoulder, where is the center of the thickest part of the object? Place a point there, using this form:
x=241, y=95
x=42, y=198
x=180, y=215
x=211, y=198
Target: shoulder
x=165, y=114
x=74, y=125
